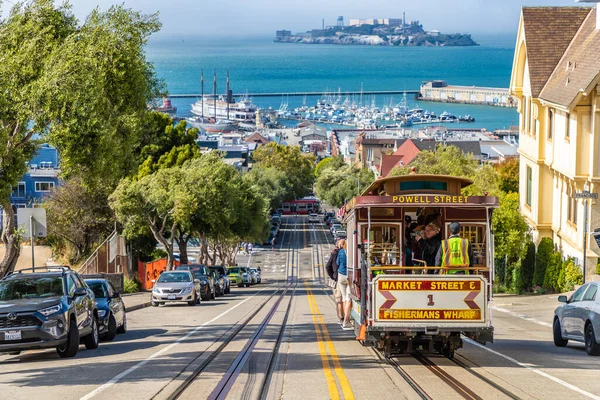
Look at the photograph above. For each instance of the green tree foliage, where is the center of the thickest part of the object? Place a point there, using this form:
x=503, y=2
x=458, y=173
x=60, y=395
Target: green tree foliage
x=272, y=184
x=166, y=145
x=508, y=175
x=81, y=87
x=298, y=167
x=551, y=279
x=450, y=160
x=526, y=269
x=329, y=162
x=79, y=217
x=510, y=229
x=337, y=185
x=542, y=260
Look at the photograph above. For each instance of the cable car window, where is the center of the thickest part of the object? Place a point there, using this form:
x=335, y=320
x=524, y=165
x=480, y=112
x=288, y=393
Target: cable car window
x=424, y=185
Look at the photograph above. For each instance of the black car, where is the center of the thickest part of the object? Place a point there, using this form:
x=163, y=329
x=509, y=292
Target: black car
x=112, y=316
x=222, y=271
x=207, y=281
x=54, y=308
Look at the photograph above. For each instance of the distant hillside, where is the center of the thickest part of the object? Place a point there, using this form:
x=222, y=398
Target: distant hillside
x=377, y=35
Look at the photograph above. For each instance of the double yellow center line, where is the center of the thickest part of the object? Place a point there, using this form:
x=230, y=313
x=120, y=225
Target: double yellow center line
x=325, y=345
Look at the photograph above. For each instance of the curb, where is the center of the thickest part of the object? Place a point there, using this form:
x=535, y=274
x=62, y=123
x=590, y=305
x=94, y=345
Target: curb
x=138, y=306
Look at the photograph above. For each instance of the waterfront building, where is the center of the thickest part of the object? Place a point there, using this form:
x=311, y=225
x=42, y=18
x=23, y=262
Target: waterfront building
x=555, y=76
x=439, y=90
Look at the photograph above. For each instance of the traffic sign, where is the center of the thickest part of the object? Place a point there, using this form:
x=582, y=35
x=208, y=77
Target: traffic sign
x=39, y=221
x=586, y=195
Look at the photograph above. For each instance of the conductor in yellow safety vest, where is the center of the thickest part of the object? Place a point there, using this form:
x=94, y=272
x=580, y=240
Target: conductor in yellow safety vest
x=454, y=252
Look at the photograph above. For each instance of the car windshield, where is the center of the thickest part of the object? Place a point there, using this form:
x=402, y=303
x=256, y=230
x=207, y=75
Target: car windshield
x=31, y=288
x=234, y=270
x=98, y=289
x=169, y=277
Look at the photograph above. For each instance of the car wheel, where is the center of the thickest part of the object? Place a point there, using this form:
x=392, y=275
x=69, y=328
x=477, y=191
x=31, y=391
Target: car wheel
x=247, y=285
x=154, y=304
x=591, y=346
x=123, y=328
x=91, y=340
x=228, y=289
x=558, y=339
x=70, y=348
x=112, y=328
x=240, y=285
x=193, y=302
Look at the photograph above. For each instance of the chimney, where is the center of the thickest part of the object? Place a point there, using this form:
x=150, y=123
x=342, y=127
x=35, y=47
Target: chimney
x=597, y=9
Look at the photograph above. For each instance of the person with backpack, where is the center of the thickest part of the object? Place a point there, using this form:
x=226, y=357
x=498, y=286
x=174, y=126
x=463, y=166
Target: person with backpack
x=332, y=271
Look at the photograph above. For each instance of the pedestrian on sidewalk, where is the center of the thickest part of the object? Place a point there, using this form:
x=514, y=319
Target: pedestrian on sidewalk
x=250, y=248
x=332, y=272
x=343, y=284
x=273, y=244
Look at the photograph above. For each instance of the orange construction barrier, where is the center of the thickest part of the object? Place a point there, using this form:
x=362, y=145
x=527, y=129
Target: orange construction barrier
x=147, y=272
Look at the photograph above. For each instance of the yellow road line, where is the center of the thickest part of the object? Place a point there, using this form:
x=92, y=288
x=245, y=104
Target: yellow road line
x=331, y=385
x=339, y=371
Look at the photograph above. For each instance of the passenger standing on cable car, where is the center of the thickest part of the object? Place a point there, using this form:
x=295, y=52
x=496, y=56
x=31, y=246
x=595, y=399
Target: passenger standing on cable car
x=332, y=272
x=455, y=252
x=344, y=284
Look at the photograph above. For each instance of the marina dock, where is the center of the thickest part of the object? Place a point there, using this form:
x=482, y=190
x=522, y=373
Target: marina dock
x=299, y=94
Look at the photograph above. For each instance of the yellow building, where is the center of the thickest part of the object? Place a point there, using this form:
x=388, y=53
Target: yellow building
x=555, y=77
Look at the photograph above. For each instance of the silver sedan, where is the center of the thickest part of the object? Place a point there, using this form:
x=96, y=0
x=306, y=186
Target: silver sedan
x=579, y=319
x=176, y=286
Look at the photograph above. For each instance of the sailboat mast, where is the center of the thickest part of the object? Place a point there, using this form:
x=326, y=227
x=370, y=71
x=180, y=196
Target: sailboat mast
x=215, y=94
x=202, y=93
x=227, y=94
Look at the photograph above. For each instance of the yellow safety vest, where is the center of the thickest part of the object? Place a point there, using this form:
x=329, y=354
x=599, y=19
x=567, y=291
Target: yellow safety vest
x=455, y=253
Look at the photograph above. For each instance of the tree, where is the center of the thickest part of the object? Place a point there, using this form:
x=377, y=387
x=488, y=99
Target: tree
x=338, y=185
x=526, y=269
x=297, y=166
x=508, y=175
x=329, y=162
x=272, y=184
x=542, y=260
x=511, y=232
x=78, y=217
x=553, y=270
x=82, y=88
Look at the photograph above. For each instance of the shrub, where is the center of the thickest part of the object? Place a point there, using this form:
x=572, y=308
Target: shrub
x=572, y=275
x=131, y=285
x=598, y=267
x=542, y=259
x=539, y=290
x=553, y=272
x=157, y=254
x=526, y=269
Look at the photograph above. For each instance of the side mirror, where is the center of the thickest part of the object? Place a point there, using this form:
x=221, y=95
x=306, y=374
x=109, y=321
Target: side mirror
x=562, y=299
x=79, y=292
x=116, y=295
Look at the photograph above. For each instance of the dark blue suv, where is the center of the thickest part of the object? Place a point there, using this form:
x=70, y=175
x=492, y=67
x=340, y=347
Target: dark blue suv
x=53, y=308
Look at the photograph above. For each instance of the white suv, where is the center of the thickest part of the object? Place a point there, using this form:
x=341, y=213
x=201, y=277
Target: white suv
x=313, y=218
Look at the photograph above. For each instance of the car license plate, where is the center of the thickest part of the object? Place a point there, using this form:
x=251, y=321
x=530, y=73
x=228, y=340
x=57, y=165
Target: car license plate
x=12, y=335
x=171, y=297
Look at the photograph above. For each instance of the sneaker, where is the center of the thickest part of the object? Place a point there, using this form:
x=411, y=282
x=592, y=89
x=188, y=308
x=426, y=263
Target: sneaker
x=347, y=327
x=341, y=321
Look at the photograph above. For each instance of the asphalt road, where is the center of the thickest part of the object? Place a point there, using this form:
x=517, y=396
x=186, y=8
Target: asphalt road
x=280, y=339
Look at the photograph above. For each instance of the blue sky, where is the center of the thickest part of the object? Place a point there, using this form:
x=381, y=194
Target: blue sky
x=263, y=17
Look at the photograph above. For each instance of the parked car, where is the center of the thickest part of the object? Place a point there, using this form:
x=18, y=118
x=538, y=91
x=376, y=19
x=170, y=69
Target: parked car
x=240, y=275
x=335, y=227
x=313, y=217
x=340, y=234
x=222, y=270
x=578, y=319
x=177, y=256
x=219, y=283
x=176, y=286
x=327, y=216
x=256, y=273
x=112, y=316
x=53, y=308
x=207, y=281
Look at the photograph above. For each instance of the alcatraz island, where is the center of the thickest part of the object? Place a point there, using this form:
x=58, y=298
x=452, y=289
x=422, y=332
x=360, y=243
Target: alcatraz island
x=376, y=32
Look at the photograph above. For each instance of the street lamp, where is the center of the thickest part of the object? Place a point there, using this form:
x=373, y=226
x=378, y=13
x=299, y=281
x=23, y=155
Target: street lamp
x=357, y=182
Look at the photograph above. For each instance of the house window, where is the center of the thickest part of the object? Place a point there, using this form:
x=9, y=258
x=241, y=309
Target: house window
x=19, y=190
x=568, y=127
x=44, y=186
x=572, y=211
x=529, y=186
x=550, y=124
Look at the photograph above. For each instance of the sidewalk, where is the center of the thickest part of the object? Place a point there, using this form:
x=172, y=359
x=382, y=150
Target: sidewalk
x=136, y=301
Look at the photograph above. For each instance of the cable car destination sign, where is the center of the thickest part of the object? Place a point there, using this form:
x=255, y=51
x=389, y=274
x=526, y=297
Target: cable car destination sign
x=423, y=299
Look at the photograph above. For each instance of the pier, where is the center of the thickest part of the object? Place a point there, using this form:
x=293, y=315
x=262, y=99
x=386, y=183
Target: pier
x=300, y=94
